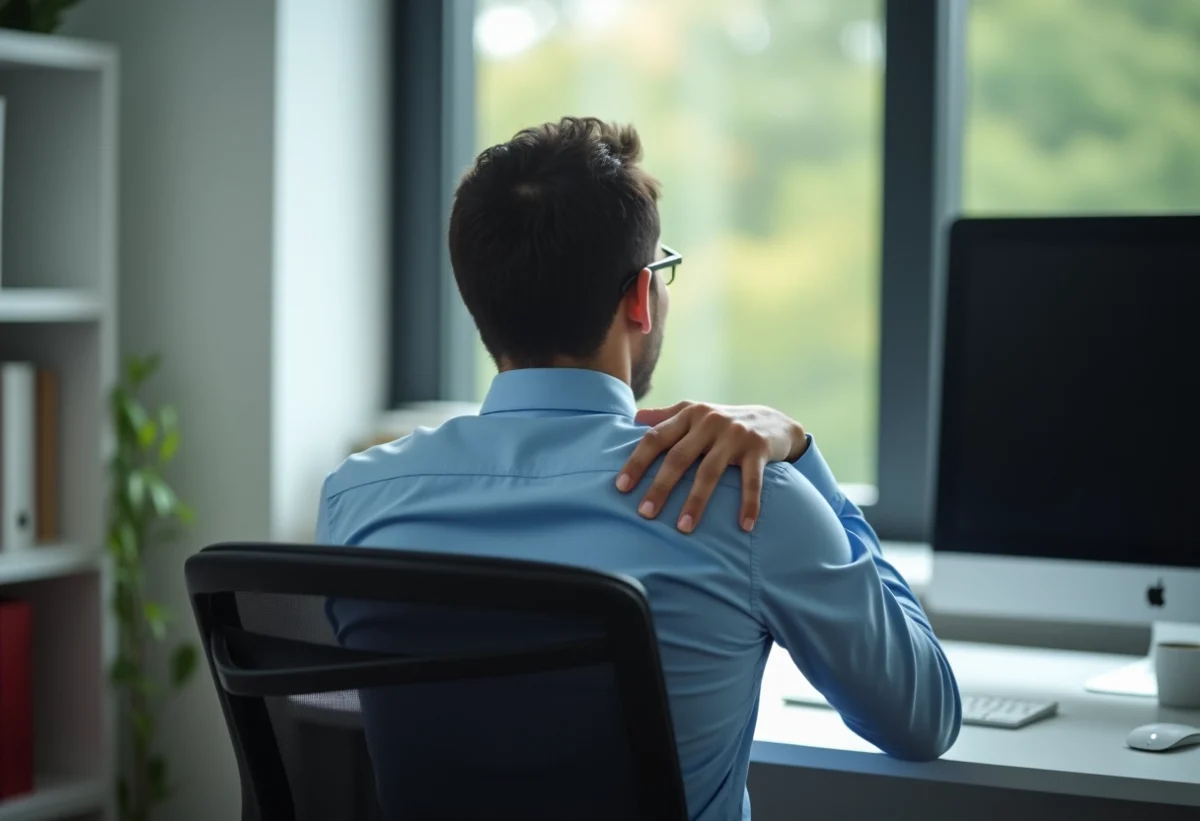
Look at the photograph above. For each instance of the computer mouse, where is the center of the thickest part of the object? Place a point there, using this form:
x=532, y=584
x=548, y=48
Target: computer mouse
x=1158, y=738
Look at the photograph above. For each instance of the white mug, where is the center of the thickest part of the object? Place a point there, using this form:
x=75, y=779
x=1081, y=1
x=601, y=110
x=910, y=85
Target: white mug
x=1177, y=667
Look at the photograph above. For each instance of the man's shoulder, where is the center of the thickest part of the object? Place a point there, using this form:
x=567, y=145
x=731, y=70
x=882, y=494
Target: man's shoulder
x=484, y=445
x=783, y=478
x=790, y=498
x=388, y=460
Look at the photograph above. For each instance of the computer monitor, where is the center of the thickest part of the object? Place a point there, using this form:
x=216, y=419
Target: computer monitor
x=1068, y=469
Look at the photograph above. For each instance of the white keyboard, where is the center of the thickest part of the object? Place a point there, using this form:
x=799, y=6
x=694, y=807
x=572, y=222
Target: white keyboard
x=978, y=710
x=1009, y=713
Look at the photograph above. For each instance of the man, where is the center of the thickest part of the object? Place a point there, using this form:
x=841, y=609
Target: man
x=554, y=240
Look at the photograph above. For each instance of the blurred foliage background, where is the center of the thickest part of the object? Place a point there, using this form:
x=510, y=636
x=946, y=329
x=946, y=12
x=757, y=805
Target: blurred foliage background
x=763, y=119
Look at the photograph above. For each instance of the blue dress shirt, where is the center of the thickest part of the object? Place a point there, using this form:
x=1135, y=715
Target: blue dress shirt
x=533, y=477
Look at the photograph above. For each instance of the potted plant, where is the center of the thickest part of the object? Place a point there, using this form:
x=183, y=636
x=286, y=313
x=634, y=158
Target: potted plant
x=41, y=16
x=144, y=514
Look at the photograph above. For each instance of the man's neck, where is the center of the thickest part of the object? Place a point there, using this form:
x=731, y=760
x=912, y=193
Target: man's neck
x=617, y=370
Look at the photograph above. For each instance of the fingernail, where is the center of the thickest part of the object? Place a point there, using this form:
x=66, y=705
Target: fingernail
x=747, y=524
x=647, y=508
x=685, y=523
x=623, y=482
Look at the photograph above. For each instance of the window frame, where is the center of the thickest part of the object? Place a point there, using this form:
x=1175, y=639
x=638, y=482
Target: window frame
x=432, y=336
x=924, y=110
x=433, y=138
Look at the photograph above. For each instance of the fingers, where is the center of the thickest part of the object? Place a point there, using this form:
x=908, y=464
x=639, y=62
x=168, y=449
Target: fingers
x=656, y=416
x=663, y=436
x=753, y=466
x=692, y=433
x=678, y=459
x=705, y=482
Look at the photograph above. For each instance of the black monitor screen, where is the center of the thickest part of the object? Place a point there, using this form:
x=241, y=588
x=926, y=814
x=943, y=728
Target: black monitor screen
x=1070, y=418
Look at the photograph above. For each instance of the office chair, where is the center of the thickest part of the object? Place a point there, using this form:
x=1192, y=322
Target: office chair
x=459, y=687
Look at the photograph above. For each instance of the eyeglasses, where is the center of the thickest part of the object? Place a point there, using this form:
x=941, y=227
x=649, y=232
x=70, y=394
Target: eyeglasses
x=667, y=265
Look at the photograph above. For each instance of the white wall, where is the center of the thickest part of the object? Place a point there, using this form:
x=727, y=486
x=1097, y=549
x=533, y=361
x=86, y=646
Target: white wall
x=194, y=264
x=331, y=195
x=251, y=255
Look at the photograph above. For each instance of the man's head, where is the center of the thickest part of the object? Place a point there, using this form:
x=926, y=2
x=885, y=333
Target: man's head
x=550, y=238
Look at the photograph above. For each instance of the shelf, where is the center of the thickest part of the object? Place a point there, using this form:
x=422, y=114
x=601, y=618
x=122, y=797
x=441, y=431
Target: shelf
x=56, y=798
x=46, y=562
x=19, y=49
x=48, y=305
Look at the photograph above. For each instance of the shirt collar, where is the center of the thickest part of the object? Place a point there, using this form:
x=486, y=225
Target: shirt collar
x=565, y=389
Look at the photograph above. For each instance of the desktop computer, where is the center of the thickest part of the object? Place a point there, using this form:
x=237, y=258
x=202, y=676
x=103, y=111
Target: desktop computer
x=1068, y=467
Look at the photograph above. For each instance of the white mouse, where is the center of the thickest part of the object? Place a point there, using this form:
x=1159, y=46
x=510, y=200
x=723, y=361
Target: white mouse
x=1158, y=738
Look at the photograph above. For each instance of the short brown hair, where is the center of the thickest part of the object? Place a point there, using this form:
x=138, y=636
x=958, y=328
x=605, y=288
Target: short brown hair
x=544, y=230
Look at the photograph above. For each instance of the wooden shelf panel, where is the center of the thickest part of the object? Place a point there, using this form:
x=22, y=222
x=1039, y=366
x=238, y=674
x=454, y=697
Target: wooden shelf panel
x=56, y=797
x=47, y=562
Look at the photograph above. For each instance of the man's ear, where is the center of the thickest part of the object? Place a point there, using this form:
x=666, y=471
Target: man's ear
x=637, y=300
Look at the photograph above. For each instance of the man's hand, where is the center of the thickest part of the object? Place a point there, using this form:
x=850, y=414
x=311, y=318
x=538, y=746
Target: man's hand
x=748, y=436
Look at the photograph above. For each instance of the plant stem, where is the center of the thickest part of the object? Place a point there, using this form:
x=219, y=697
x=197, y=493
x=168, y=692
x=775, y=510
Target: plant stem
x=135, y=651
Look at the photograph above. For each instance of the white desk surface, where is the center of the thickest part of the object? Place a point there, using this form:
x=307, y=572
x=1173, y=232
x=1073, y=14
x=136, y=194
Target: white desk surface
x=1081, y=751
x=913, y=561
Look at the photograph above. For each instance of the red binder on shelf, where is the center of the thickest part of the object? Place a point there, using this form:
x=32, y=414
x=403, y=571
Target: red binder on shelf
x=16, y=698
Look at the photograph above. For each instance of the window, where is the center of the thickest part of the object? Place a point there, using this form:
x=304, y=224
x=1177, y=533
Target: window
x=762, y=118
x=1082, y=106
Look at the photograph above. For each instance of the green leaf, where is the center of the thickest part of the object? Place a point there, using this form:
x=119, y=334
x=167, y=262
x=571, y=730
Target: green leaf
x=123, y=673
x=139, y=369
x=163, y=498
x=157, y=617
x=117, y=399
x=147, y=433
x=168, y=446
x=183, y=664
x=115, y=547
x=186, y=514
x=129, y=539
x=135, y=422
x=123, y=605
x=122, y=543
x=135, y=491
x=134, y=369
x=168, y=422
x=46, y=15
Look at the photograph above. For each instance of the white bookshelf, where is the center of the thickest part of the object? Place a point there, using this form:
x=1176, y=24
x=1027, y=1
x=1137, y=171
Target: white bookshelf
x=49, y=305
x=58, y=798
x=49, y=561
x=58, y=310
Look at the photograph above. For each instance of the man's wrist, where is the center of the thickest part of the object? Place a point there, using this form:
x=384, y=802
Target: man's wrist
x=799, y=439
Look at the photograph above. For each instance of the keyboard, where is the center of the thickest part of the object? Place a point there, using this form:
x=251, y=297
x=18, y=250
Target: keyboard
x=1007, y=713
x=978, y=710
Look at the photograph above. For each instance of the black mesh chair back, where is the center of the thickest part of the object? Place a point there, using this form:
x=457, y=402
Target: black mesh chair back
x=454, y=687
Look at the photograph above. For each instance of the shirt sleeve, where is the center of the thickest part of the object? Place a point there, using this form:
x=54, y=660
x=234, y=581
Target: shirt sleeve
x=847, y=618
x=323, y=534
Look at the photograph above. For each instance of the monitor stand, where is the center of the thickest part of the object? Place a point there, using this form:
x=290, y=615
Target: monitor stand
x=1138, y=679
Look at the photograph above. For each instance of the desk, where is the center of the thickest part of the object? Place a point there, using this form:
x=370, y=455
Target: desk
x=806, y=764
x=1079, y=752
x=913, y=561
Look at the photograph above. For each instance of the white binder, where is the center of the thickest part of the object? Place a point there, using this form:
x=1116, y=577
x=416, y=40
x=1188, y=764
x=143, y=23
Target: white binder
x=17, y=432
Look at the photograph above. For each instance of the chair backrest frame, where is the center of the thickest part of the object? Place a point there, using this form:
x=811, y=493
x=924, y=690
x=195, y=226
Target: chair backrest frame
x=217, y=573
